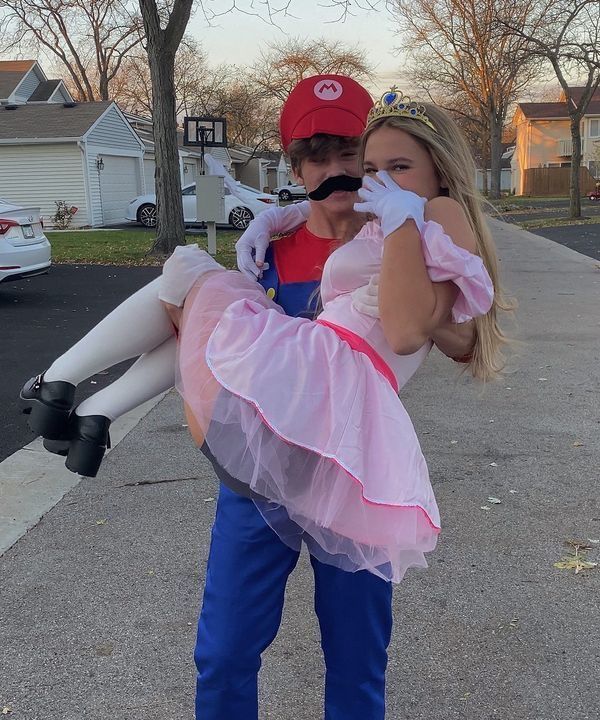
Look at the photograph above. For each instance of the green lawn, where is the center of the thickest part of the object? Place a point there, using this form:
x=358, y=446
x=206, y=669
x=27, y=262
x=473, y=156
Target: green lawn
x=127, y=247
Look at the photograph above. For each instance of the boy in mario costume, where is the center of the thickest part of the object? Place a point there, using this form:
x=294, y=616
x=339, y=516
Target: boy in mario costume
x=248, y=564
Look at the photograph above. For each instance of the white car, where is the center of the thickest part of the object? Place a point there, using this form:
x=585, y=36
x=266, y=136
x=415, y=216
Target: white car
x=244, y=191
x=239, y=211
x=24, y=249
x=287, y=192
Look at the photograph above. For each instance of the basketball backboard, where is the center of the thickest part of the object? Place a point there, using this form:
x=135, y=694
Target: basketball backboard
x=205, y=132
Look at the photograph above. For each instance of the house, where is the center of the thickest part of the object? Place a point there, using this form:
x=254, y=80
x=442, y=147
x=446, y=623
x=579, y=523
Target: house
x=262, y=170
x=52, y=148
x=543, y=139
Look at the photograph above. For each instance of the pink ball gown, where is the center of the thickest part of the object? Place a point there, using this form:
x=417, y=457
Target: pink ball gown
x=307, y=412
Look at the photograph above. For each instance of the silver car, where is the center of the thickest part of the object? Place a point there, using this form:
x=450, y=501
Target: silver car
x=24, y=249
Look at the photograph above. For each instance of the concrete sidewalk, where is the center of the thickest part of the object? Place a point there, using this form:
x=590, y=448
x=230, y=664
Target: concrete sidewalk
x=99, y=601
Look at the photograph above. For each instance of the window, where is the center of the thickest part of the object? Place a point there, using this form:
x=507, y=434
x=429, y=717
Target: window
x=191, y=190
x=594, y=166
x=595, y=127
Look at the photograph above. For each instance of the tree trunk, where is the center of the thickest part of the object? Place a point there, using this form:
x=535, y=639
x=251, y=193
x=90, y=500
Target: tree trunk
x=495, y=156
x=574, y=192
x=485, y=161
x=170, y=229
x=103, y=87
x=162, y=47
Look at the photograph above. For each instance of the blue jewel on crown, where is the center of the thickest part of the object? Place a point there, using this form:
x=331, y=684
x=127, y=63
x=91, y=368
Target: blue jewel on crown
x=389, y=98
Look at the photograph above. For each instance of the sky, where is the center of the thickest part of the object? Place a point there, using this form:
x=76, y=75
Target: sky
x=237, y=38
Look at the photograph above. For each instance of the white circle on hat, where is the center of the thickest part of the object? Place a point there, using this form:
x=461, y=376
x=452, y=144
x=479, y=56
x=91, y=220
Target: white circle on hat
x=328, y=89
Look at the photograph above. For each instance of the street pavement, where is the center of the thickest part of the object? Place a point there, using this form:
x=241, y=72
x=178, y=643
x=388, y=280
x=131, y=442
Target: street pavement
x=99, y=600
x=582, y=238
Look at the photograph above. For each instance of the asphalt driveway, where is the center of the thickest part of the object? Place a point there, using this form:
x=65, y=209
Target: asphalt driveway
x=41, y=317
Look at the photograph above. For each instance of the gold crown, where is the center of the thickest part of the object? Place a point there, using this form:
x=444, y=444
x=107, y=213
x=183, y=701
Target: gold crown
x=394, y=102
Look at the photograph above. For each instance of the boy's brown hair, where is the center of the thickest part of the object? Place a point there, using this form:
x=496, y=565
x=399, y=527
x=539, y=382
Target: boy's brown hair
x=318, y=147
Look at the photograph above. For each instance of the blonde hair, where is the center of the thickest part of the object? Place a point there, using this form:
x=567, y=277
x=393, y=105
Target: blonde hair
x=455, y=167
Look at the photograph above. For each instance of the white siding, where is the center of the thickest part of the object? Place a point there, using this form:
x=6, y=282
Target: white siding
x=94, y=182
x=28, y=86
x=61, y=96
x=114, y=132
x=41, y=174
x=190, y=170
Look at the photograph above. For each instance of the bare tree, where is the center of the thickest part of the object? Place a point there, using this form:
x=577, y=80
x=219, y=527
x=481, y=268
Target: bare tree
x=281, y=67
x=566, y=33
x=193, y=77
x=164, y=32
x=89, y=39
x=461, y=49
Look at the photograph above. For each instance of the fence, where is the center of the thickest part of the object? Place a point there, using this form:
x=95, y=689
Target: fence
x=541, y=182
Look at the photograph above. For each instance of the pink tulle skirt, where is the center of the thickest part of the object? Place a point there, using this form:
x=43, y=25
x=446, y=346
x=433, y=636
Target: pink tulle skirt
x=310, y=425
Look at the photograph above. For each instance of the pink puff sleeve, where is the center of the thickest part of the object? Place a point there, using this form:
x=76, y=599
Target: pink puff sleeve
x=447, y=261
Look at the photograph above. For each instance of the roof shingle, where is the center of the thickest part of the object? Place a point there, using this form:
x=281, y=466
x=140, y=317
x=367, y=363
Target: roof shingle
x=11, y=74
x=555, y=110
x=49, y=121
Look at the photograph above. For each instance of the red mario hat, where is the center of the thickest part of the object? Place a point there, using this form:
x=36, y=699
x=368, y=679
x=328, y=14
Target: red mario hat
x=330, y=104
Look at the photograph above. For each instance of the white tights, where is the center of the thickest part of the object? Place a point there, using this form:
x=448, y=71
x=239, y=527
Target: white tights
x=138, y=327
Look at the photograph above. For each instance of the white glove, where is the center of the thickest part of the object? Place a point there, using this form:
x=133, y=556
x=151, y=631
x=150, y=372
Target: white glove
x=181, y=270
x=259, y=233
x=390, y=203
x=365, y=299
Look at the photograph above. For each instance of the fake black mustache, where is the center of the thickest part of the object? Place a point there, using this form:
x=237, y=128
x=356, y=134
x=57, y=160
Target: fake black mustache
x=347, y=183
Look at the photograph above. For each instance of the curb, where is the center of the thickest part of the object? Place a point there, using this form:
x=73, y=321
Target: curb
x=33, y=481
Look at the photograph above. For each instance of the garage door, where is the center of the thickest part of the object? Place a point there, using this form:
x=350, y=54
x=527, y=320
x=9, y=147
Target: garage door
x=119, y=184
x=149, y=166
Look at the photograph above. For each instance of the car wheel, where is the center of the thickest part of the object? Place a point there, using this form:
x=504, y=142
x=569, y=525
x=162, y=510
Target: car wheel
x=240, y=218
x=147, y=215
x=285, y=195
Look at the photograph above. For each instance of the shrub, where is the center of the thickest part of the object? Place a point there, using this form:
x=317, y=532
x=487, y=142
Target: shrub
x=64, y=215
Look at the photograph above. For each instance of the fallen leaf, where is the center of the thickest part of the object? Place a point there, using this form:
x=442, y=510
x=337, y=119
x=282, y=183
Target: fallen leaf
x=493, y=464
x=6, y=710
x=594, y=542
x=102, y=522
x=494, y=500
x=209, y=499
x=512, y=492
x=577, y=443
x=576, y=564
x=484, y=507
x=453, y=442
x=542, y=379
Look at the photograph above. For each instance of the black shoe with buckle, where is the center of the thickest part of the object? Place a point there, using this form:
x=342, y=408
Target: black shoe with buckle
x=51, y=404
x=88, y=441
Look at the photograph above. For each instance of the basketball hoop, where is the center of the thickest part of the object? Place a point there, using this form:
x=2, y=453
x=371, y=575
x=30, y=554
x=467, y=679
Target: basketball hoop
x=204, y=132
